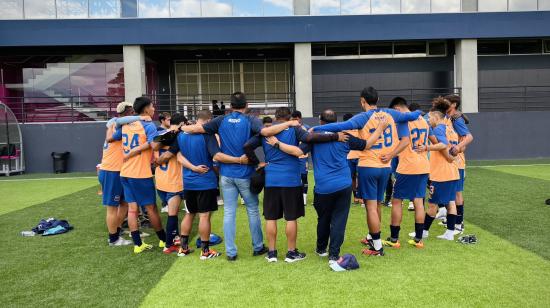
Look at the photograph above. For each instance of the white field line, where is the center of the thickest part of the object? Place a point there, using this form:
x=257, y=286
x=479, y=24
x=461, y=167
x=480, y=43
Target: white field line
x=496, y=166
x=41, y=179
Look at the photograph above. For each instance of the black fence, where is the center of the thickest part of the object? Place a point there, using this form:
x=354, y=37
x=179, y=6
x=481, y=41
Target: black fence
x=348, y=101
x=514, y=98
x=100, y=108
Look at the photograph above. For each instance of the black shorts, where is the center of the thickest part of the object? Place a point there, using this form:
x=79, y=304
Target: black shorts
x=283, y=201
x=201, y=201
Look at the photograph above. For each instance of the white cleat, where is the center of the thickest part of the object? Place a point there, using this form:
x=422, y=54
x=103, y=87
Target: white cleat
x=220, y=201
x=164, y=209
x=121, y=242
x=425, y=234
x=441, y=214
x=458, y=230
x=411, y=206
x=448, y=235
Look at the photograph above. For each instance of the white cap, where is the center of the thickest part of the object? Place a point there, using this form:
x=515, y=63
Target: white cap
x=122, y=106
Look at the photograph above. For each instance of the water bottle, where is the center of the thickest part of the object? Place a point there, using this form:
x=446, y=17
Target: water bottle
x=28, y=233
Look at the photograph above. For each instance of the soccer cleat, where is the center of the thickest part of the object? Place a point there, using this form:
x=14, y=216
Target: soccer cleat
x=321, y=253
x=367, y=242
x=458, y=229
x=425, y=234
x=388, y=242
x=209, y=254
x=170, y=250
x=184, y=252
x=120, y=242
x=142, y=248
x=448, y=235
x=220, y=201
x=164, y=209
x=271, y=256
x=177, y=241
x=416, y=244
x=441, y=214
x=411, y=206
x=162, y=244
x=373, y=252
x=295, y=255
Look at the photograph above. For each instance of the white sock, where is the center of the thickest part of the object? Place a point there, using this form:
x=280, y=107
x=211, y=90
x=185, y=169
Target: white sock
x=377, y=244
x=369, y=237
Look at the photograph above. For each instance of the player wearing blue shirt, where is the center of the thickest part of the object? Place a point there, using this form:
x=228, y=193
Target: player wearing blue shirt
x=332, y=192
x=234, y=130
x=459, y=122
x=283, y=187
x=297, y=115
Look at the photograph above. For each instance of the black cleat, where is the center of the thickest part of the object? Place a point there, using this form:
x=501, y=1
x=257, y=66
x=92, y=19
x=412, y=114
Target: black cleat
x=232, y=258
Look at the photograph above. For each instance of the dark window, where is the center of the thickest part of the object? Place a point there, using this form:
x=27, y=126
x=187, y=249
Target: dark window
x=547, y=46
x=520, y=47
x=410, y=48
x=382, y=48
x=128, y=8
x=492, y=47
x=342, y=50
x=318, y=50
x=437, y=48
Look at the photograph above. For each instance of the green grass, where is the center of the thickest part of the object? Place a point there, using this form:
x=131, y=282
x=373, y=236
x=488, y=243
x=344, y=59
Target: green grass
x=509, y=267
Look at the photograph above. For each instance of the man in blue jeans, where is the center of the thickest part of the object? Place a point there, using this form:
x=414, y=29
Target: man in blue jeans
x=234, y=130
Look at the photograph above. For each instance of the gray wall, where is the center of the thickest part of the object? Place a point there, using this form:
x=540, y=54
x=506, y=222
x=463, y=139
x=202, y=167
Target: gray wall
x=83, y=140
x=498, y=135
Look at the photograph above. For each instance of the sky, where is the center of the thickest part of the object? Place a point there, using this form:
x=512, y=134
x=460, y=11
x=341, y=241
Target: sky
x=10, y=9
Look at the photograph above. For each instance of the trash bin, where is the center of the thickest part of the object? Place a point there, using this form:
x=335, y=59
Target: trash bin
x=60, y=161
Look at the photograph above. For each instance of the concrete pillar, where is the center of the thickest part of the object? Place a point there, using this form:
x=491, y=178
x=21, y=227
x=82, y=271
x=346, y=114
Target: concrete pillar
x=301, y=7
x=466, y=74
x=303, y=78
x=469, y=5
x=134, y=71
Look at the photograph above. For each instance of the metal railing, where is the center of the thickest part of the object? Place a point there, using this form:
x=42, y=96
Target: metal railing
x=101, y=108
x=514, y=98
x=348, y=101
x=190, y=105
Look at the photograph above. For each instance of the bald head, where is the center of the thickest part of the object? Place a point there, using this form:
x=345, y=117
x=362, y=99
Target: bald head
x=328, y=116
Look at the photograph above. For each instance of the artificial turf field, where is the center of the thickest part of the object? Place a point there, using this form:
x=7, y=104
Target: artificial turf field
x=510, y=266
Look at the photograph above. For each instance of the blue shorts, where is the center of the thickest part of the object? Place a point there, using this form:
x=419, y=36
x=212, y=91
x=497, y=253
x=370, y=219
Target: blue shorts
x=410, y=186
x=140, y=191
x=443, y=192
x=111, y=186
x=373, y=182
x=165, y=196
x=352, y=163
x=460, y=184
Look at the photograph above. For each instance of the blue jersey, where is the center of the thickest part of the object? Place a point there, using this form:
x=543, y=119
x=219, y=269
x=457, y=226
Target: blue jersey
x=283, y=170
x=330, y=163
x=234, y=129
x=198, y=150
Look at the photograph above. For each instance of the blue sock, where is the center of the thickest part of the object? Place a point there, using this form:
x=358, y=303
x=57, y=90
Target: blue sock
x=136, y=238
x=171, y=229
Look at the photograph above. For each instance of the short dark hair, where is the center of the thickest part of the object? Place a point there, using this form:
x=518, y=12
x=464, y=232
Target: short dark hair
x=328, y=116
x=164, y=115
x=140, y=103
x=348, y=116
x=177, y=119
x=370, y=95
x=414, y=107
x=266, y=120
x=204, y=115
x=296, y=114
x=440, y=104
x=453, y=99
x=398, y=101
x=282, y=113
x=238, y=100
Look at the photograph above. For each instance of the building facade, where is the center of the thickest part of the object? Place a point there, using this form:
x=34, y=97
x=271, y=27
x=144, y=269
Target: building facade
x=74, y=60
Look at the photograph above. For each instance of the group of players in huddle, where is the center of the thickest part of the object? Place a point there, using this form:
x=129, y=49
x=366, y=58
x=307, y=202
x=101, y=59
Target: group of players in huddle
x=353, y=157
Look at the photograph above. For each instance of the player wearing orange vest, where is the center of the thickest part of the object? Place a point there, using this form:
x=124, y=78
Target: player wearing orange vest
x=373, y=172
x=459, y=122
x=136, y=175
x=444, y=174
x=169, y=183
x=109, y=174
x=411, y=174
